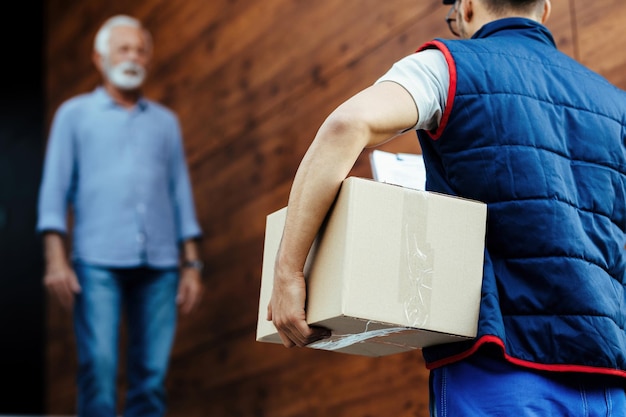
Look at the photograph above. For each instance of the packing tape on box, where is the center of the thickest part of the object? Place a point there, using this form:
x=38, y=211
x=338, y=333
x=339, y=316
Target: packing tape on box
x=337, y=342
x=418, y=255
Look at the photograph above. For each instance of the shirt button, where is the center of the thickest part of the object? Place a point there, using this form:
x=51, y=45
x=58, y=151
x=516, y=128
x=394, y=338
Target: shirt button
x=141, y=208
x=141, y=237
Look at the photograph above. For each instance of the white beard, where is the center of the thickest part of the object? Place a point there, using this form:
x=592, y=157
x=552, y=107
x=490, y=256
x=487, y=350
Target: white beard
x=126, y=75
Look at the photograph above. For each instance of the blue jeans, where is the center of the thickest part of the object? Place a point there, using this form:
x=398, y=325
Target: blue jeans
x=147, y=297
x=484, y=386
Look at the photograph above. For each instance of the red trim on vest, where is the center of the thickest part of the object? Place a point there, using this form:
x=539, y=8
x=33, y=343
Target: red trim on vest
x=452, y=89
x=527, y=364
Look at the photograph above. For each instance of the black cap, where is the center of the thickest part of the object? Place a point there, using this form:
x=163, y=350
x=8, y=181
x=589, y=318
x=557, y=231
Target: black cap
x=448, y=1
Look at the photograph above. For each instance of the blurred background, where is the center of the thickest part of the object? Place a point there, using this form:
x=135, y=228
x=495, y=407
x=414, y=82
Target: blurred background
x=251, y=82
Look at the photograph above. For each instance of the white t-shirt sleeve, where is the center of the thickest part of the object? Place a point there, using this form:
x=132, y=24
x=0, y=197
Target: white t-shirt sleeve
x=426, y=77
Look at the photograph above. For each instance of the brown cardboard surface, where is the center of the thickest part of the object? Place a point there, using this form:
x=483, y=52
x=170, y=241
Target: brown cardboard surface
x=393, y=269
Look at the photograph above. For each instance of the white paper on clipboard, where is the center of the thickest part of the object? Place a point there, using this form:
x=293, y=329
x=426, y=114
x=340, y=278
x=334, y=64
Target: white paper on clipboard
x=404, y=169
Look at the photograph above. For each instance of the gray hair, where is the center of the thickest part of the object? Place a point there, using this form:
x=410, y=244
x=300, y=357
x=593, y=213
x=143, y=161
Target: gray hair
x=101, y=41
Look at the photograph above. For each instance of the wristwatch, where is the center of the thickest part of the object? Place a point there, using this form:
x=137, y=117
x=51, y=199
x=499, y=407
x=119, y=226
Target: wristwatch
x=195, y=264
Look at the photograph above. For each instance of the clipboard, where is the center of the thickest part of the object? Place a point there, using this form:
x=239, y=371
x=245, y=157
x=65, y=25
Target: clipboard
x=403, y=169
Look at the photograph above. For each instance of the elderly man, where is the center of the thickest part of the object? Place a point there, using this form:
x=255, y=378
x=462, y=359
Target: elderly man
x=116, y=160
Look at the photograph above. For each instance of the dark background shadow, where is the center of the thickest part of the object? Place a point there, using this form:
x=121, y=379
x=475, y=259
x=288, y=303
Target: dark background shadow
x=22, y=325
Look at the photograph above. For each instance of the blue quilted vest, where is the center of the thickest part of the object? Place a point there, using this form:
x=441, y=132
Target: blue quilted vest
x=542, y=141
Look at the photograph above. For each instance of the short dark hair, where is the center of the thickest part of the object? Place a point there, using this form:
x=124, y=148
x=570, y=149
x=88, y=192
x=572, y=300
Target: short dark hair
x=499, y=7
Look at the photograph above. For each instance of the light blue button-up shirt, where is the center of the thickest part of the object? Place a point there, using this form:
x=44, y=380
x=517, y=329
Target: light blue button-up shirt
x=122, y=176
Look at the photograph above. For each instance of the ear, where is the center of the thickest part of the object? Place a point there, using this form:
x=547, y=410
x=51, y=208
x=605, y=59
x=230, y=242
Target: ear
x=467, y=10
x=547, y=9
x=98, y=60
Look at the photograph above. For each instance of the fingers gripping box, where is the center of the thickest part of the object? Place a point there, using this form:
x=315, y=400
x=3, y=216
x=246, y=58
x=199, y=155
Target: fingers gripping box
x=393, y=269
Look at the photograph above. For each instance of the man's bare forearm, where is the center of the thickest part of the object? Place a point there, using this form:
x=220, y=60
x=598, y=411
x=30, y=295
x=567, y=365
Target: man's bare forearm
x=55, y=252
x=191, y=250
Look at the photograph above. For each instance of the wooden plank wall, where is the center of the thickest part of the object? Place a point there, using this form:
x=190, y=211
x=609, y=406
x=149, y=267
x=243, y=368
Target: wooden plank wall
x=252, y=81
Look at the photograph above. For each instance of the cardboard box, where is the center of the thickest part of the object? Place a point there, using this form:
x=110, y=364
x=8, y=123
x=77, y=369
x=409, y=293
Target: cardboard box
x=393, y=269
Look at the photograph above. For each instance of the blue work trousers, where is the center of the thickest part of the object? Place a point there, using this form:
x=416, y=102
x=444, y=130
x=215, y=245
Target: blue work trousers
x=147, y=299
x=482, y=386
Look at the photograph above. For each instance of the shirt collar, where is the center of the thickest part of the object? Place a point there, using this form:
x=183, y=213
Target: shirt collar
x=530, y=28
x=103, y=99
